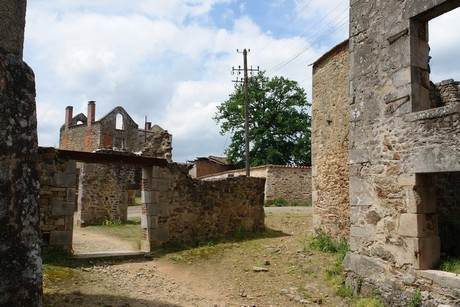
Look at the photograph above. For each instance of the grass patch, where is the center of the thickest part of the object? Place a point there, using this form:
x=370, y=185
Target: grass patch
x=415, y=300
x=281, y=202
x=366, y=302
x=450, y=264
x=324, y=243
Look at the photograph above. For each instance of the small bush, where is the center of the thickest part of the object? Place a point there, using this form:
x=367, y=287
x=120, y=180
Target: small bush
x=323, y=242
x=415, y=299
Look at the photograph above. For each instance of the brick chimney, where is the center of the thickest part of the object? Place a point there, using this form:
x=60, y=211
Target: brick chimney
x=148, y=125
x=68, y=116
x=91, y=112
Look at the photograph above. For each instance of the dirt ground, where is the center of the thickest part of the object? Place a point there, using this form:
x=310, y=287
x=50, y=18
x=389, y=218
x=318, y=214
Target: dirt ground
x=276, y=269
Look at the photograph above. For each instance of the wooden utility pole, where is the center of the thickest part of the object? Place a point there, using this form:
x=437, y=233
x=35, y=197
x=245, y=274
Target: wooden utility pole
x=246, y=103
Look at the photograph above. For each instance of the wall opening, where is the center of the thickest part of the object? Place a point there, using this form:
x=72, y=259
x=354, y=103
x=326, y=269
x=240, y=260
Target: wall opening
x=435, y=63
x=119, y=122
x=448, y=208
x=437, y=211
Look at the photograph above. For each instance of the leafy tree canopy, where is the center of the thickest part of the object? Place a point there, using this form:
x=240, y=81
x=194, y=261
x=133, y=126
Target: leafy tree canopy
x=279, y=125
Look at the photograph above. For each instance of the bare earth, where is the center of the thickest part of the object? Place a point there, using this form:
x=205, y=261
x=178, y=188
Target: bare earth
x=276, y=270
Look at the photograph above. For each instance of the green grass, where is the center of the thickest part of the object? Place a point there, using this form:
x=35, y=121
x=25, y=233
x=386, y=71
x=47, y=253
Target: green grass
x=335, y=274
x=450, y=264
x=324, y=243
x=415, y=300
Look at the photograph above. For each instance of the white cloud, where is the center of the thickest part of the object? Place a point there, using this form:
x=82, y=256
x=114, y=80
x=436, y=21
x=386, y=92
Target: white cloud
x=172, y=61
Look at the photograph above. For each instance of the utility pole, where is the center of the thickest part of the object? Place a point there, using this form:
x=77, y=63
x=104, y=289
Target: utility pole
x=246, y=102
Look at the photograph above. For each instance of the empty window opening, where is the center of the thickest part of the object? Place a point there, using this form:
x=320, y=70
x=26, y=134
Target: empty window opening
x=119, y=142
x=436, y=75
x=119, y=122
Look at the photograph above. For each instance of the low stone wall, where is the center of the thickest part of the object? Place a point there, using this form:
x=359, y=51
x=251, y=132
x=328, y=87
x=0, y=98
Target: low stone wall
x=57, y=199
x=290, y=183
x=179, y=209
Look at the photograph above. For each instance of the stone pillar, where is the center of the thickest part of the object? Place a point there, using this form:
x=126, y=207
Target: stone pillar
x=20, y=260
x=12, y=23
x=155, y=212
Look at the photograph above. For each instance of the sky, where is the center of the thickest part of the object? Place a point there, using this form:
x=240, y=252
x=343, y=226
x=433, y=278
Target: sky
x=172, y=60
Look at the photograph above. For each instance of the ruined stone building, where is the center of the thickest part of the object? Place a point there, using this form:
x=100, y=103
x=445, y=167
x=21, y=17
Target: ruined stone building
x=104, y=191
x=385, y=133
x=114, y=131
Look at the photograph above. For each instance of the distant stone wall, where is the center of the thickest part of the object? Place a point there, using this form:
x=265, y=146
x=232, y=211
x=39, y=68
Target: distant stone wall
x=103, y=192
x=57, y=199
x=330, y=142
x=290, y=183
x=179, y=209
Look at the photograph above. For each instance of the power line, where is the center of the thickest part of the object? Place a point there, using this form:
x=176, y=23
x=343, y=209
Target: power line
x=283, y=64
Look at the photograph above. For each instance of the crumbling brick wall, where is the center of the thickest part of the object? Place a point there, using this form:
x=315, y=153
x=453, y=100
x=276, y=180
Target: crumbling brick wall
x=179, y=209
x=330, y=142
x=20, y=260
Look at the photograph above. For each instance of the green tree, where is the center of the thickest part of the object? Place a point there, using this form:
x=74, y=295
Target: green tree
x=279, y=125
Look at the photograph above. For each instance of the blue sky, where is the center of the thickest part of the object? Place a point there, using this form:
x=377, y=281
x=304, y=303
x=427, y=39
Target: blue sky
x=172, y=61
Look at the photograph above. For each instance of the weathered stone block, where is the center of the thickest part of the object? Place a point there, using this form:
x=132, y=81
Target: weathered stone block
x=358, y=231
x=158, y=209
x=161, y=185
x=64, y=180
x=62, y=208
x=443, y=279
x=155, y=172
x=71, y=195
x=411, y=225
x=406, y=180
x=61, y=237
x=159, y=234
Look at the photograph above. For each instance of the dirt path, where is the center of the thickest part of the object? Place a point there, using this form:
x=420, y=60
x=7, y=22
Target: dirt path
x=85, y=241
x=276, y=270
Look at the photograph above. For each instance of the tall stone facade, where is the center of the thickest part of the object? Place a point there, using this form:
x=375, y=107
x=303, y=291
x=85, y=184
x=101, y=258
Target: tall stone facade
x=20, y=260
x=330, y=142
x=399, y=147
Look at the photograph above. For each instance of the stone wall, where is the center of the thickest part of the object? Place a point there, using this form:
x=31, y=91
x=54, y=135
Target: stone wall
x=12, y=25
x=290, y=183
x=20, y=260
x=396, y=143
x=103, y=192
x=179, y=209
x=330, y=142
x=57, y=199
